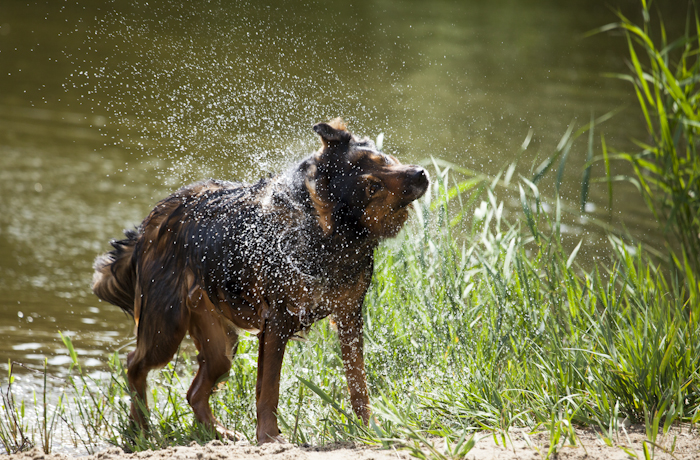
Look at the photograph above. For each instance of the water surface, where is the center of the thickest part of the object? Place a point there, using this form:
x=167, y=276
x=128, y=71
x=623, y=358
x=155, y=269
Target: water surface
x=106, y=107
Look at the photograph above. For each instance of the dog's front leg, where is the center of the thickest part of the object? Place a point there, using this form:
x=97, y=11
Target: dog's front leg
x=351, y=345
x=273, y=339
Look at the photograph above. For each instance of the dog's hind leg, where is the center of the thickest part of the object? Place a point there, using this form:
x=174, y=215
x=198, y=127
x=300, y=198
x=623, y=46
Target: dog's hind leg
x=216, y=340
x=157, y=341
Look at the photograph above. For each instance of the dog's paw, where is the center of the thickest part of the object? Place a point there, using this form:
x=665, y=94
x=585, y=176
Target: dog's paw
x=224, y=433
x=279, y=439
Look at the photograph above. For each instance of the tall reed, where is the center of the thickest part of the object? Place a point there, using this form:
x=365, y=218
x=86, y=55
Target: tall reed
x=665, y=74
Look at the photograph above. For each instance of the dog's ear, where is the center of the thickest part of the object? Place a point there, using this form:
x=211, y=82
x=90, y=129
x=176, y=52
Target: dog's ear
x=333, y=134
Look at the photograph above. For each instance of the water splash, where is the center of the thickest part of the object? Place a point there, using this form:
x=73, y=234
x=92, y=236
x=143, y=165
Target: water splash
x=229, y=90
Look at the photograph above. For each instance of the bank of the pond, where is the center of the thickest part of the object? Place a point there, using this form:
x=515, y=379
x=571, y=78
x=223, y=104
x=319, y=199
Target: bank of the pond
x=499, y=331
x=480, y=315
x=678, y=444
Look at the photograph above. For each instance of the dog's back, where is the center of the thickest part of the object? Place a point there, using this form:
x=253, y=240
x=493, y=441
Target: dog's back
x=157, y=242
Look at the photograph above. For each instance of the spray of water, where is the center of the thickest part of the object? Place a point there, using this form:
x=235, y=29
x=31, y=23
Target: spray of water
x=230, y=89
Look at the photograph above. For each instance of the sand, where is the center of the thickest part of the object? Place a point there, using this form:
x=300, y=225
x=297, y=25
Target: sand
x=589, y=446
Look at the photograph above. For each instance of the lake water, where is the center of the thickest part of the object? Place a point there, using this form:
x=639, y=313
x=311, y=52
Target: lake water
x=106, y=107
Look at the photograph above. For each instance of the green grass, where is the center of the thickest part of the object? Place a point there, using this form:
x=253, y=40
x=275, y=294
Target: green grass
x=473, y=322
x=14, y=428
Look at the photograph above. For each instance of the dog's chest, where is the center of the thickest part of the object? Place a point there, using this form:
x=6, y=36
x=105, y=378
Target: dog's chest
x=278, y=259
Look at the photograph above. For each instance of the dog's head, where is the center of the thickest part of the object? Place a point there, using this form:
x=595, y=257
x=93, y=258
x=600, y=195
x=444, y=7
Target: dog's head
x=355, y=188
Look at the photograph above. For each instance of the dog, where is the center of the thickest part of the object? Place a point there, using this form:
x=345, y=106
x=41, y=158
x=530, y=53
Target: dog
x=216, y=258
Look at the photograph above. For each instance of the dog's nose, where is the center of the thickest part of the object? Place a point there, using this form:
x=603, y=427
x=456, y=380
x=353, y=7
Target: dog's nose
x=420, y=178
x=416, y=183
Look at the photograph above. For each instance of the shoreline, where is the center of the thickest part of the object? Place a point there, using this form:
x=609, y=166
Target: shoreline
x=681, y=442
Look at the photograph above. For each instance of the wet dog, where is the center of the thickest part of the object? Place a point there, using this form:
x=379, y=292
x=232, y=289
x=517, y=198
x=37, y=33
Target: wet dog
x=216, y=258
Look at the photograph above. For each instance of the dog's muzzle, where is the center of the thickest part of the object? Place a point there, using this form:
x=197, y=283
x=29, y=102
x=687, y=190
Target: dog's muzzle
x=416, y=183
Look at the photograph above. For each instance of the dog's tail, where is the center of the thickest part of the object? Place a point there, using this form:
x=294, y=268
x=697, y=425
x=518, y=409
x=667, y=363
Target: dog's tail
x=114, y=279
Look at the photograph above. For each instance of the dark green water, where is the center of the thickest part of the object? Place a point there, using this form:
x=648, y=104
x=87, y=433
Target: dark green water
x=106, y=107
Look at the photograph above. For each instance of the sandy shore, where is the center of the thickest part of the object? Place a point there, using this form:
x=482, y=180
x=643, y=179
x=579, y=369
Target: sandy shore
x=682, y=443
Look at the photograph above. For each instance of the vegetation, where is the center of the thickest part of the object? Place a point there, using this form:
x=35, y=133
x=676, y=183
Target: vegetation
x=476, y=320
x=497, y=329
x=666, y=80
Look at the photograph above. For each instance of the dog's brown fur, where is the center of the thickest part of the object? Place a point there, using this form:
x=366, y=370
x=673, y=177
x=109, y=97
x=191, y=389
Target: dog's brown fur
x=216, y=257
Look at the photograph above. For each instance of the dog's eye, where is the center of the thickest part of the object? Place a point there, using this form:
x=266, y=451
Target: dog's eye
x=373, y=188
